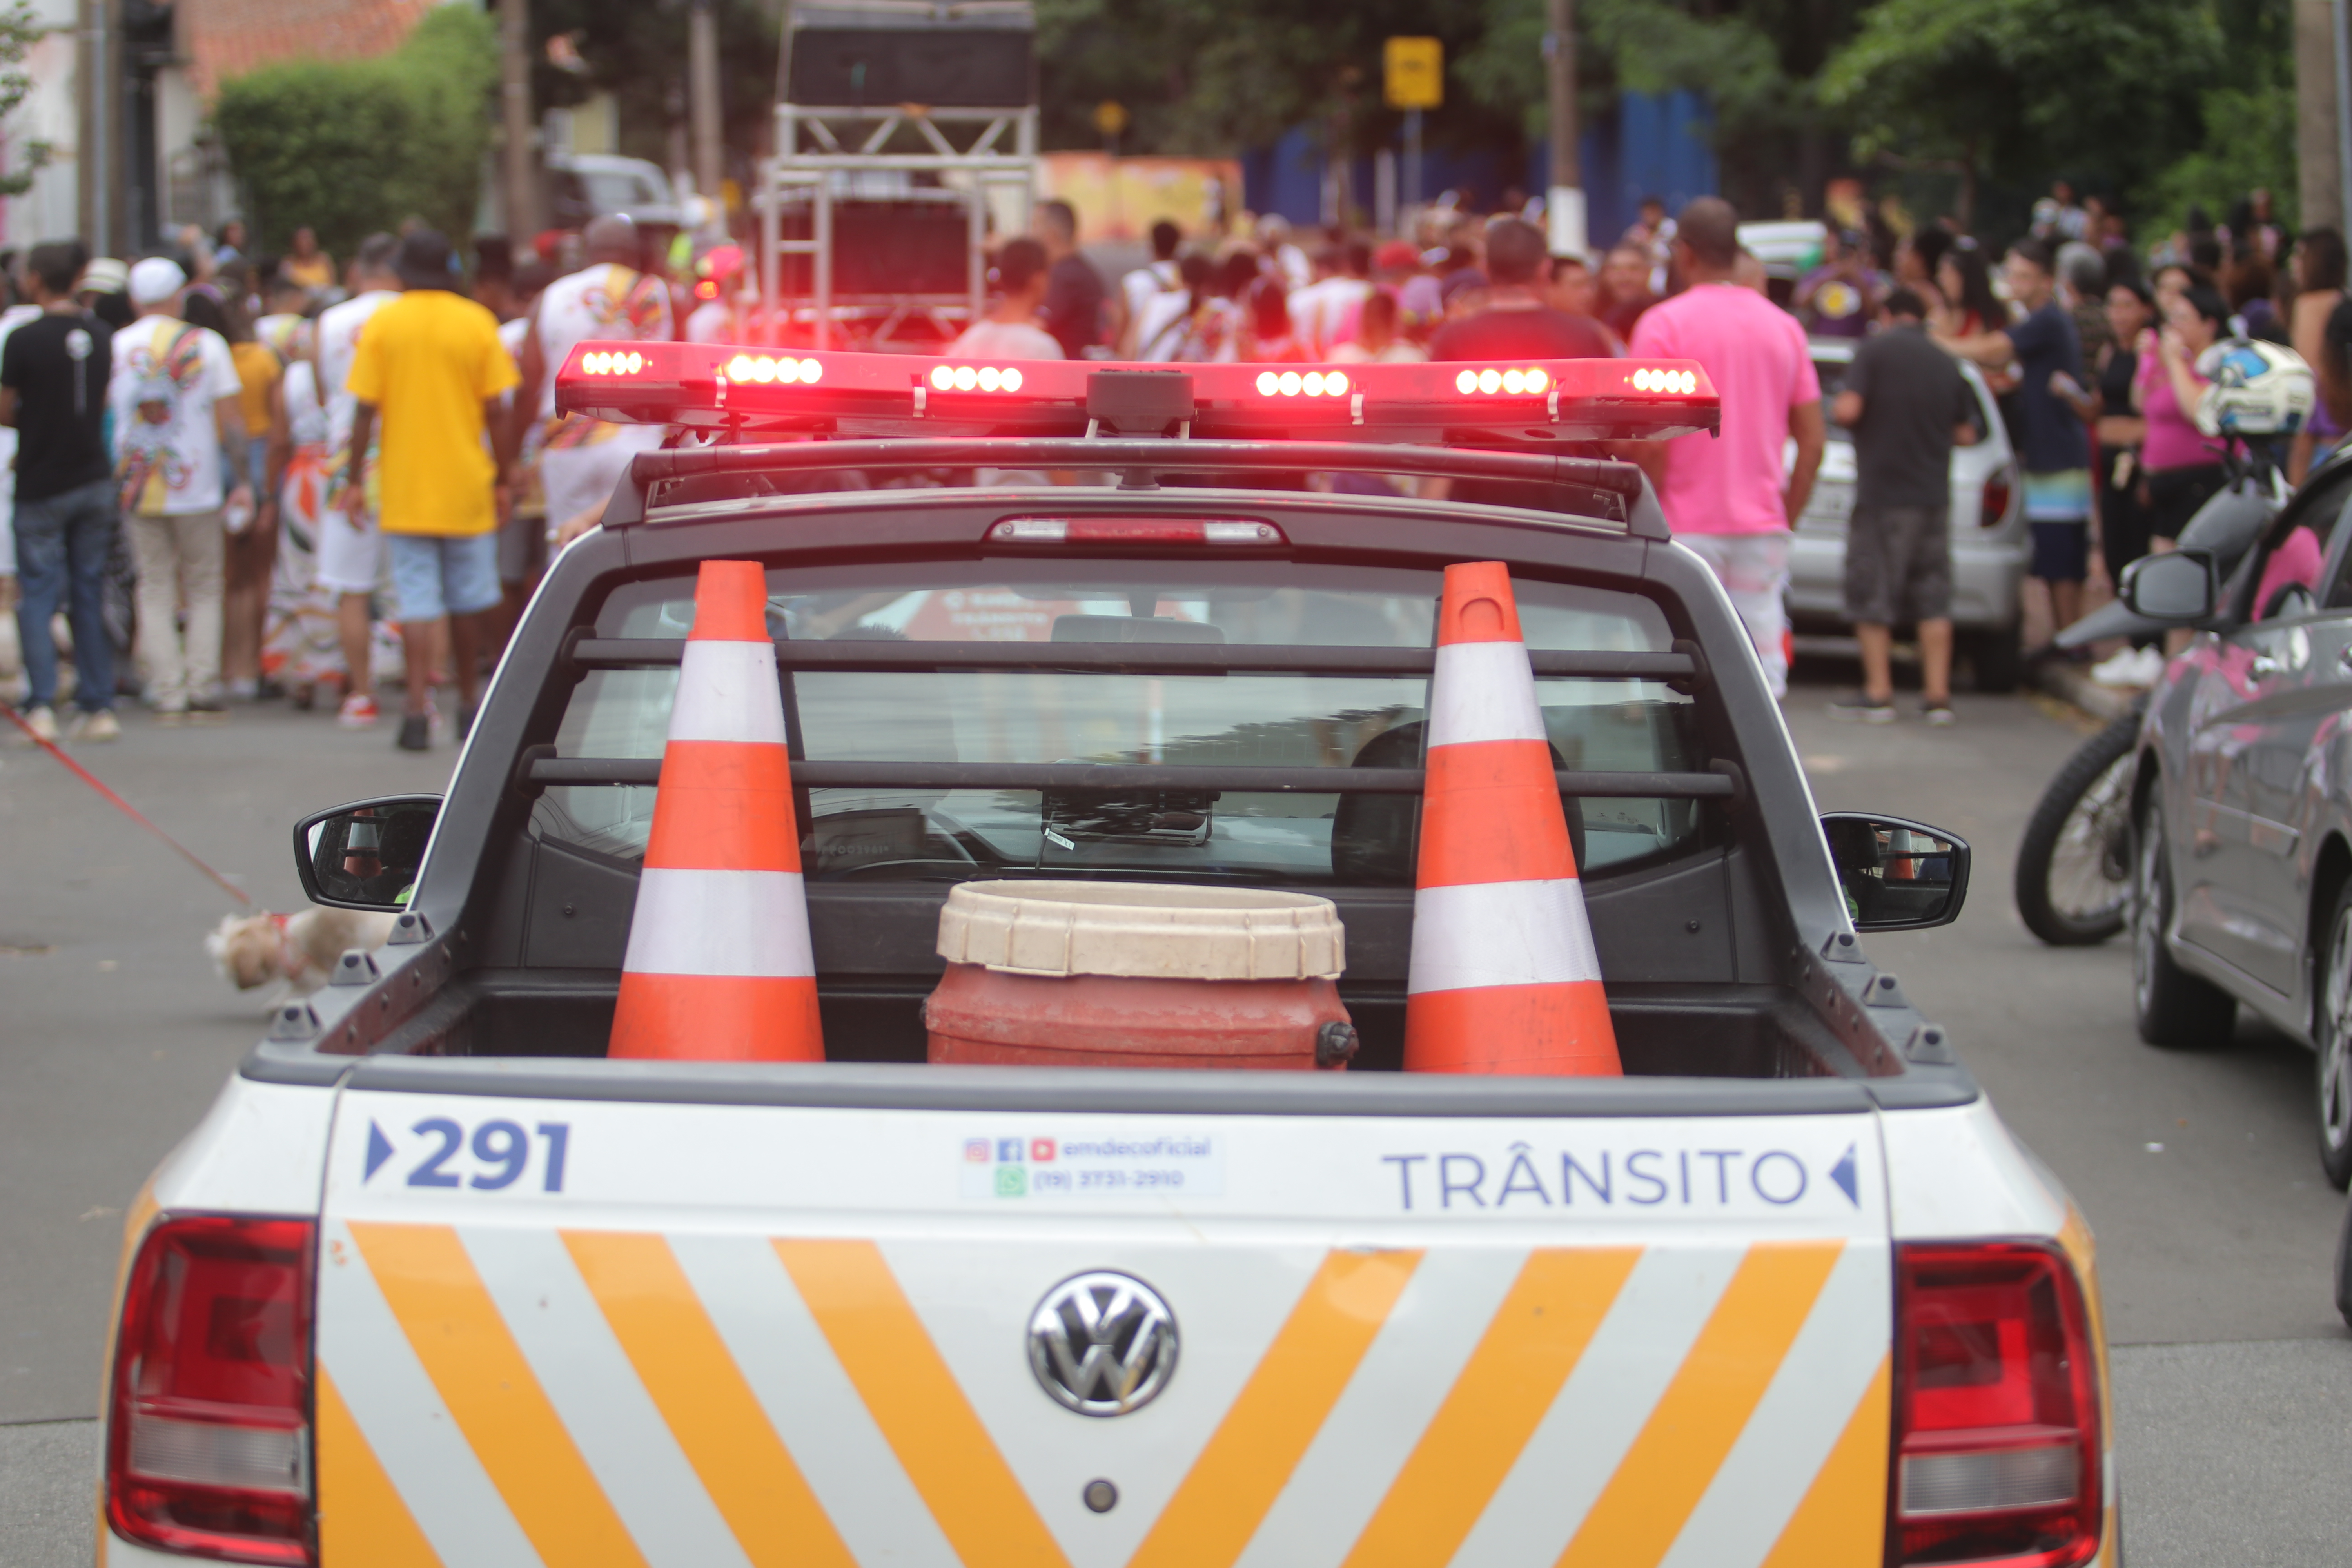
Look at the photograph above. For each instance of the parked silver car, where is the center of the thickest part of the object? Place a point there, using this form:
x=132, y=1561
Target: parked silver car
x=1990, y=548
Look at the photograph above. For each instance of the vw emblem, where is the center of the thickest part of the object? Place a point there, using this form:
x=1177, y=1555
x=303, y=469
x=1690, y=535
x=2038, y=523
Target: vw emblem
x=1102, y=1344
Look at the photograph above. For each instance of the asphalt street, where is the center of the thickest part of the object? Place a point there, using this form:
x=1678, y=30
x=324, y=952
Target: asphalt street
x=2232, y=1371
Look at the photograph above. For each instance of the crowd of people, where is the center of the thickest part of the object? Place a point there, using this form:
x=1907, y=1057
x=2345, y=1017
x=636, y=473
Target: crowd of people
x=242, y=476
x=297, y=477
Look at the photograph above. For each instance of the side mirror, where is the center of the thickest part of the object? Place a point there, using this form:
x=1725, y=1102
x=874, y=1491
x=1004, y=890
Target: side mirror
x=2178, y=586
x=1897, y=874
x=365, y=856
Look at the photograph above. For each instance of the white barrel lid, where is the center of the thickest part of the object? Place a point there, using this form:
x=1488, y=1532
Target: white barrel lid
x=1143, y=930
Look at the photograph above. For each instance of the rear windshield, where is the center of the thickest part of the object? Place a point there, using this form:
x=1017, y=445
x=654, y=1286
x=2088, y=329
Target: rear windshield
x=1284, y=720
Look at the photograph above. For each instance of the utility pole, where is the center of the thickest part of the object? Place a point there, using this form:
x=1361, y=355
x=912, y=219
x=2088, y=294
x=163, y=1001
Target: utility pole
x=1564, y=203
x=514, y=91
x=2320, y=178
x=702, y=65
x=93, y=175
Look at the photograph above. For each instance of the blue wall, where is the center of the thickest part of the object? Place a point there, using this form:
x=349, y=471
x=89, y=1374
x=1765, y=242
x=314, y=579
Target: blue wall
x=1649, y=146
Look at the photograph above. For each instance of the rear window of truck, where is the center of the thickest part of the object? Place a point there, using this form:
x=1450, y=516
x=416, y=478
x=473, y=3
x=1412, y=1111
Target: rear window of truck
x=1225, y=720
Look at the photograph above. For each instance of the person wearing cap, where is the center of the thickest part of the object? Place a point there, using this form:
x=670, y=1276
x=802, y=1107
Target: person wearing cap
x=431, y=369
x=610, y=300
x=104, y=291
x=174, y=396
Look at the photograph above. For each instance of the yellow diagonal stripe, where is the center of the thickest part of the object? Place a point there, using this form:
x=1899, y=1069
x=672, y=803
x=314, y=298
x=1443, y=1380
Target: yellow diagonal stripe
x=362, y=1522
x=701, y=1393
x=1678, y=1450
x=1841, y=1521
x=481, y=1376
x=922, y=1410
x=1534, y=1341
x=1248, y=1460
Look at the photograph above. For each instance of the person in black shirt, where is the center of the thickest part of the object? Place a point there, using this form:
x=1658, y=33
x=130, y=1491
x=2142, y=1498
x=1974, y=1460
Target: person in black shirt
x=53, y=381
x=1907, y=403
x=1074, y=289
x=1516, y=322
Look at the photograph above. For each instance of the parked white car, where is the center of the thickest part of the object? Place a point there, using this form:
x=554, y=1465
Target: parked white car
x=1991, y=547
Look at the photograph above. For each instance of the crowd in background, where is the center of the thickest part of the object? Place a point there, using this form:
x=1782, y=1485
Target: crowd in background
x=209, y=520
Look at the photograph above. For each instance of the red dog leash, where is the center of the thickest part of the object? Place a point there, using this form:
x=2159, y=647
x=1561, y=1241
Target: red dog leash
x=83, y=774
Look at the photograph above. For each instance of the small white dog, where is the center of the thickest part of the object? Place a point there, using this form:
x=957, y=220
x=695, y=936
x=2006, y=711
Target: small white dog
x=298, y=950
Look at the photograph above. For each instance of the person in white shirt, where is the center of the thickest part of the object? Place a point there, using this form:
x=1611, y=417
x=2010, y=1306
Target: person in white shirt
x=174, y=398
x=1141, y=287
x=1323, y=314
x=1010, y=330
x=610, y=298
x=350, y=551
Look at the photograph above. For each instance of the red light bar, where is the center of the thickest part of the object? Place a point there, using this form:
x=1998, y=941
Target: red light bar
x=715, y=387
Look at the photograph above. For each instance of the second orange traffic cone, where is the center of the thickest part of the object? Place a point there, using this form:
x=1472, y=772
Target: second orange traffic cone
x=719, y=965
x=1504, y=978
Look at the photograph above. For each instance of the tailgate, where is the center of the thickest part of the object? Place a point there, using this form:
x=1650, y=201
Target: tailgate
x=596, y=1332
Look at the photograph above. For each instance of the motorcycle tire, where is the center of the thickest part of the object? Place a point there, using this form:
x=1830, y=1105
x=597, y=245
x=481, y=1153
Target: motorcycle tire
x=2073, y=876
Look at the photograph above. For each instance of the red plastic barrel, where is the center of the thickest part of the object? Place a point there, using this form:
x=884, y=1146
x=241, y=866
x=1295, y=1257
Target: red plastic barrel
x=1138, y=974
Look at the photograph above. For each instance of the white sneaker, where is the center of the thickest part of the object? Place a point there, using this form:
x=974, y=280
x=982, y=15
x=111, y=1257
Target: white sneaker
x=95, y=729
x=2130, y=666
x=2116, y=669
x=42, y=722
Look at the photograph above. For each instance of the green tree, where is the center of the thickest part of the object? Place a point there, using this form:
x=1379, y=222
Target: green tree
x=354, y=146
x=19, y=31
x=2017, y=90
x=635, y=50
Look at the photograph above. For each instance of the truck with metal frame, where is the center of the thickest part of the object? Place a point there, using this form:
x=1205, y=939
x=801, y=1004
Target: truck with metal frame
x=436, y=1282
x=859, y=244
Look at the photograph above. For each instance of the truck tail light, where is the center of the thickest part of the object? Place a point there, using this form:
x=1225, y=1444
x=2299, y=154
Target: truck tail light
x=208, y=1444
x=1135, y=530
x=1992, y=506
x=1998, y=1449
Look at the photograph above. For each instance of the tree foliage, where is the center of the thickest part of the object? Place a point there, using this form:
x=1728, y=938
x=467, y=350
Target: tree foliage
x=349, y=147
x=637, y=50
x=2018, y=90
x=19, y=31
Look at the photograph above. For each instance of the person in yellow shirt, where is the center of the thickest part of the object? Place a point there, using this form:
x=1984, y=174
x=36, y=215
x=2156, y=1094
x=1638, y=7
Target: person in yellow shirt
x=430, y=367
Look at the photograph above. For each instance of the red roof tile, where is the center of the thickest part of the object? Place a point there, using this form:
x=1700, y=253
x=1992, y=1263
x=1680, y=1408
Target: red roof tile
x=222, y=38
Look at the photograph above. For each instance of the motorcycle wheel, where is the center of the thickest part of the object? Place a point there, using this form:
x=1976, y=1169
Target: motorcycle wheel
x=2074, y=864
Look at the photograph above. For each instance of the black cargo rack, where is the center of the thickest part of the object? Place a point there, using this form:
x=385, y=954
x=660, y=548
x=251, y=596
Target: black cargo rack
x=1614, y=491
x=542, y=767
x=1681, y=665
x=1681, y=668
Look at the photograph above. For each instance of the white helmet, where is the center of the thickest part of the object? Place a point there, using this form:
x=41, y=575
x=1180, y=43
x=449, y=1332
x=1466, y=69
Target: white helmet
x=2258, y=389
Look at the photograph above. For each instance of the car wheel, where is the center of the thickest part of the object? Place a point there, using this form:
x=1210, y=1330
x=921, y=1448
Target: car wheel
x=2333, y=1034
x=1996, y=659
x=2344, y=1271
x=2173, y=1007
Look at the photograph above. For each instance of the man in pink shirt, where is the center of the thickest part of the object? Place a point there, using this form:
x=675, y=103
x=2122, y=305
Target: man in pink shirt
x=1731, y=499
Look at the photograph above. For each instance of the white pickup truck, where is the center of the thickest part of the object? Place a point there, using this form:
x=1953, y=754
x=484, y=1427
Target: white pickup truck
x=434, y=1283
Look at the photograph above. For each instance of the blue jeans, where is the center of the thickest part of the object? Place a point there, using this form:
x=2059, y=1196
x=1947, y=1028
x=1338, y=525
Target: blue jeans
x=62, y=542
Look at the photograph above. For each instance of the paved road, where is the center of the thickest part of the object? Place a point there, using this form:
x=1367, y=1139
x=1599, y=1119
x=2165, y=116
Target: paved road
x=2233, y=1373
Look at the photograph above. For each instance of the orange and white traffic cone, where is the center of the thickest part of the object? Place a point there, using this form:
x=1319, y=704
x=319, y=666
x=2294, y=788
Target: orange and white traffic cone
x=1504, y=977
x=719, y=965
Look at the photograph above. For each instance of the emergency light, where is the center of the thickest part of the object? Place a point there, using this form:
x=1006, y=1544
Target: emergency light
x=720, y=388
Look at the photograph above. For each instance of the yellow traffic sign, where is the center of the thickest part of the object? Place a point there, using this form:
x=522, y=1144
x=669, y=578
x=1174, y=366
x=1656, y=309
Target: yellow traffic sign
x=1416, y=73
x=1110, y=116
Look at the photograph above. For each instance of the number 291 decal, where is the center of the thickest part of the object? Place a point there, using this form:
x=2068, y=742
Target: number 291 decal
x=490, y=1157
